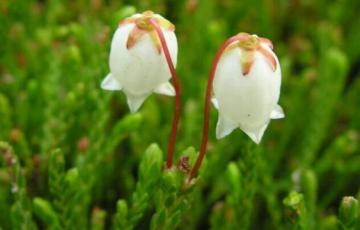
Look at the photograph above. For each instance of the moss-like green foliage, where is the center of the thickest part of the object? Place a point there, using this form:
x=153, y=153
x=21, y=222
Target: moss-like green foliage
x=73, y=157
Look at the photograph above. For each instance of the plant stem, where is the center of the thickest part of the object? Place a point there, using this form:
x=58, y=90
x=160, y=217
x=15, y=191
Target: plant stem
x=176, y=83
x=207, y=104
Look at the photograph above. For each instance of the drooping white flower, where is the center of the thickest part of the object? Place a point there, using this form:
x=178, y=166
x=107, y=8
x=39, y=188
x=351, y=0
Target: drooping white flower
x=137, y=62
x=247, y=87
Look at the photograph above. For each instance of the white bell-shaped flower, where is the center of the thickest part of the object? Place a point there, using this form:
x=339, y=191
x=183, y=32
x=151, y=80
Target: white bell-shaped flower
x=137, y=62
x=247, y=87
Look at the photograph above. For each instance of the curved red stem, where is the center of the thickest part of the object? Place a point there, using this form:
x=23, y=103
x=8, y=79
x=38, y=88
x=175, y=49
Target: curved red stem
x=208, y=103
x=175, y=81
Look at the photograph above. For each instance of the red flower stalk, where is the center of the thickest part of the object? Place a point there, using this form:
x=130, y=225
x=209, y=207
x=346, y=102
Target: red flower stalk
x=208, y=103
x=177, y=110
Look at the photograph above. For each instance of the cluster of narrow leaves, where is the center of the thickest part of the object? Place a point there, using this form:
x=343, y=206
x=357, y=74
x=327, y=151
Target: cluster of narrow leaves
x=72, y=157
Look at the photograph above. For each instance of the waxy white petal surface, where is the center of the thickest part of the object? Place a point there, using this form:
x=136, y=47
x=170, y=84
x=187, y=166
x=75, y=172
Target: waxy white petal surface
x=110, y=83
x=139, y=70
x=247, y=102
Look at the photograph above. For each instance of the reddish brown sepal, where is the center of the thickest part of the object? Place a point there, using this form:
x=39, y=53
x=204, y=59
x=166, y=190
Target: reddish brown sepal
x=247, y=62
x=266, y=42
x=134, y=36
x=269, y=57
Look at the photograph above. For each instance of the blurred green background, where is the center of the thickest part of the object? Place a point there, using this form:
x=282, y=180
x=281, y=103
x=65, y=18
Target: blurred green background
x=74, y=158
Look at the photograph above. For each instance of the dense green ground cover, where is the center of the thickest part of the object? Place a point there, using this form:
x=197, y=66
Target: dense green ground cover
x=73, y=157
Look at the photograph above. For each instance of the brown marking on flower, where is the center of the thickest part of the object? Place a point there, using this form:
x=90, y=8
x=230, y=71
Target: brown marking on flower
x=144, y=26
x=134, y=37
x=241, y=42
x=247, y=61
x=249, y=44
x=266, y=42
x=269, y=57
x=143, y=22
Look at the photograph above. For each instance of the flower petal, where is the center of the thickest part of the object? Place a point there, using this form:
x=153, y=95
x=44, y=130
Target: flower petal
x=215, y=102
x=110, y=83
x=256, y=134
x=277, y=113
x=165, y=89
x=224, y=127
x=135, y=102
